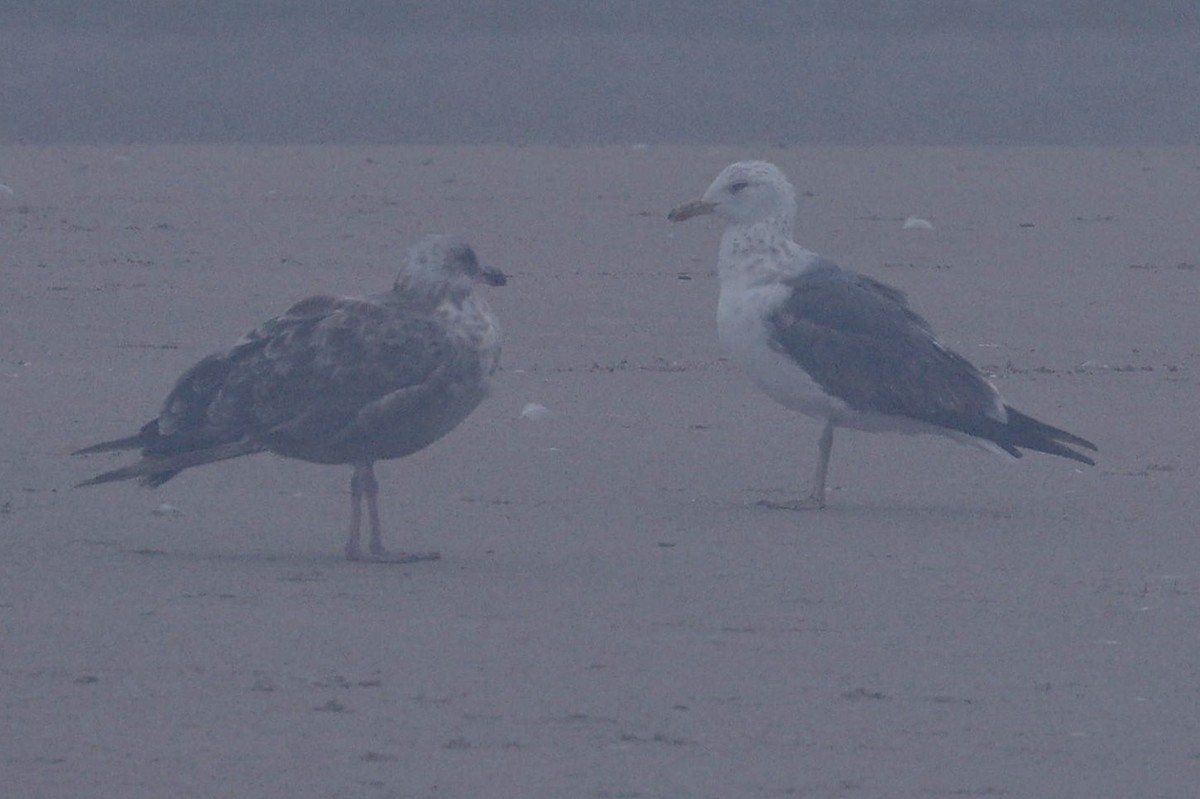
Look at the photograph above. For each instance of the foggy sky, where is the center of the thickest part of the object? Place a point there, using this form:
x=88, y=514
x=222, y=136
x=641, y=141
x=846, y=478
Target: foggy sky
x=880, y=72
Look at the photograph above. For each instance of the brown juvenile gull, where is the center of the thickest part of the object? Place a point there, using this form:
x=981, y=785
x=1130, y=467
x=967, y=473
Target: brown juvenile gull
x=345, y=380
x=839, y=346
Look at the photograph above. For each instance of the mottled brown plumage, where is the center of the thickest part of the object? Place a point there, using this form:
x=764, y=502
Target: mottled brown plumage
x=336, y=380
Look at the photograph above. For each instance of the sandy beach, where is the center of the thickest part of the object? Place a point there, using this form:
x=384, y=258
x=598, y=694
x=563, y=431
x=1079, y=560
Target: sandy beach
x=613, y=615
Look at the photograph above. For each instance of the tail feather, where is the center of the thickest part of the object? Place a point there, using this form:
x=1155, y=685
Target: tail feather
x=1025, y=431
x=154, y=470
x=138, y=440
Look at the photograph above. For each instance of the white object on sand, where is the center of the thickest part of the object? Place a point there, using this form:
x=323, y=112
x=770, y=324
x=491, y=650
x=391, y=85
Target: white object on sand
x=534, y=411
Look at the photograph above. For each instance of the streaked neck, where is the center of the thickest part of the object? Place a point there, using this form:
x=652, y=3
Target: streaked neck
x=760, y=251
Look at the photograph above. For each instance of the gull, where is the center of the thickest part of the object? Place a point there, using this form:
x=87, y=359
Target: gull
x=337, y=380
x=839, y=346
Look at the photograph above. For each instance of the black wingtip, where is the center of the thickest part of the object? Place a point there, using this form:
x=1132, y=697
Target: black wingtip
x=139, y=440
x=105, y=477
x=129, y=442
x=1023, y=430
x=149, y=473
x=1067, y=452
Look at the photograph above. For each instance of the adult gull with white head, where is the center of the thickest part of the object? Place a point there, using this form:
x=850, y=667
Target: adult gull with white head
x=839, y=346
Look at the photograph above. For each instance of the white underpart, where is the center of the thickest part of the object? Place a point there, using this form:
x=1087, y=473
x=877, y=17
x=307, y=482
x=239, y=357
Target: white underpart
x=750, y=293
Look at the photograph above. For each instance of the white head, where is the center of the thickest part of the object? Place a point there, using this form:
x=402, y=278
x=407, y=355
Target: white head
x=441, y=262
x=743, y=194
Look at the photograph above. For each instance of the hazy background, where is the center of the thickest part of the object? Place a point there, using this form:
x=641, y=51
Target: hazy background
x=607, y=71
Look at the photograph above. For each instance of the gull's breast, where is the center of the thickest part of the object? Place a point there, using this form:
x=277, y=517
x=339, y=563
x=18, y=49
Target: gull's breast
x=742, y=314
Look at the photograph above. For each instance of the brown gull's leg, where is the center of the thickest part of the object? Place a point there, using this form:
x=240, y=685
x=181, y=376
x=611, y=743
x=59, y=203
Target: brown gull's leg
x=356, y=493
x=815, y=500
x=370, y=487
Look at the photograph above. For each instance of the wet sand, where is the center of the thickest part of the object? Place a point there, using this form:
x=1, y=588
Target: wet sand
x=613, y=614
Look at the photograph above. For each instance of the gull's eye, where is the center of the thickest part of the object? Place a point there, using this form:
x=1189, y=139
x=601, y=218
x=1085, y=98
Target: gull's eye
x=735, y=188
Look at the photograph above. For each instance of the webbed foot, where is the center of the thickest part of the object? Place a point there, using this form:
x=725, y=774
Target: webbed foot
x=808, y=503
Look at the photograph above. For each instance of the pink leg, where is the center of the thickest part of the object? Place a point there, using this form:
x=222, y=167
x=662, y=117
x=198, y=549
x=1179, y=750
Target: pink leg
x=371, y=486
x=815, y=500
x=368, y=486
x=353, y=552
